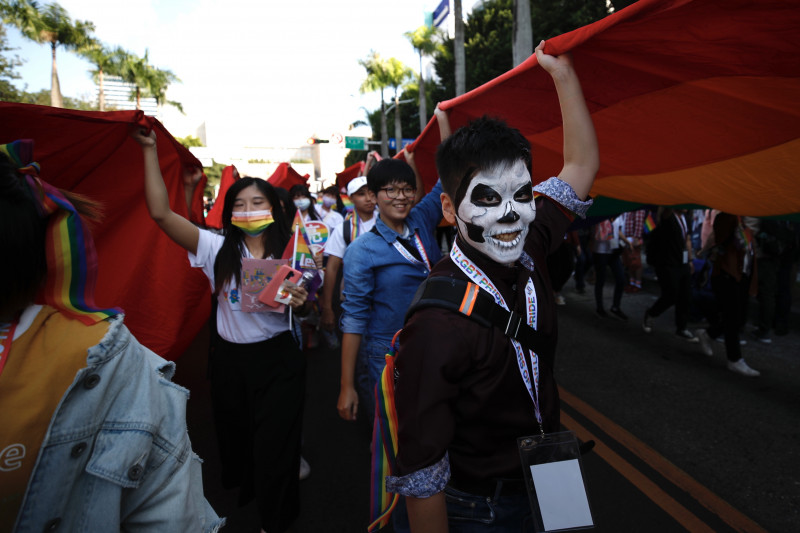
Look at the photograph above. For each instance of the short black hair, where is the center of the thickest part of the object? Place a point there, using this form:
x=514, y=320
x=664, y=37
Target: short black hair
x=388, y=171
x=483, y=143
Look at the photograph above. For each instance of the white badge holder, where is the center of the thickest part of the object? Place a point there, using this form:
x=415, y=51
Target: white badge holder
x=551, y=464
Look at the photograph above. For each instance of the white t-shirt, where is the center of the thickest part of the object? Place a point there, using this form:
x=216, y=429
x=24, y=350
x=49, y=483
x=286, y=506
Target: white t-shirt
x=336, y=245
x=331, y=218
x=234, y=325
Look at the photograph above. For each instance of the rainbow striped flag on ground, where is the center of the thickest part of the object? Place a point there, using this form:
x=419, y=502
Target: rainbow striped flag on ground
x=384, y=446
x=649, y=224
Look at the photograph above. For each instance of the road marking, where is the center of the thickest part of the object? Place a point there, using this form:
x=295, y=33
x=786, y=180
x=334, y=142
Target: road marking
x=731, y=516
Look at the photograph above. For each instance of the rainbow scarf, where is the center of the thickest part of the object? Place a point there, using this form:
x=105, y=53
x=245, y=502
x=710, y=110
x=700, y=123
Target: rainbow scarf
x=649, y=223
x=384, y=446
x=348, y=203
x=252, y=222
x=353, y=219
x=71, y=256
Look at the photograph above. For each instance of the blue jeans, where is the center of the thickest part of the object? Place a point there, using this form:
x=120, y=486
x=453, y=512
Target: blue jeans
x=469, y=513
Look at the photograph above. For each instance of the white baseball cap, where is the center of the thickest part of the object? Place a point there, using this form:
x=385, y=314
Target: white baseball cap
x=355, y=184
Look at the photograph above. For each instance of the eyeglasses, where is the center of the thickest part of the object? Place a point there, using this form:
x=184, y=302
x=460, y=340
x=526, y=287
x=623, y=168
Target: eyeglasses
x=394, y=192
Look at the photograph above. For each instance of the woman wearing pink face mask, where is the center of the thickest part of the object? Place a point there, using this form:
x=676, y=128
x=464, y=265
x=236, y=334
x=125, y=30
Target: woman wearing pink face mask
x=257, y=371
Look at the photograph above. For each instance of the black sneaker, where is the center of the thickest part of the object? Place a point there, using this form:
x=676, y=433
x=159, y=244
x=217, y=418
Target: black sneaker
x=616, y=311
x=601, y=313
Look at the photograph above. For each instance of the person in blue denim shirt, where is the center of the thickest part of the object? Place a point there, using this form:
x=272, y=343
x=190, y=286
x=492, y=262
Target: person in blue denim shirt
x=382, y=270
x=94, y=435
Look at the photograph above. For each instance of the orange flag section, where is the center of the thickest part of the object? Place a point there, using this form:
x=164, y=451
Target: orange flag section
x=694, y=101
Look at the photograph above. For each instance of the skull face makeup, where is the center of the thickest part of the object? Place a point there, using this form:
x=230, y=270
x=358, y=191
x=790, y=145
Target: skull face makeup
x=496, y=211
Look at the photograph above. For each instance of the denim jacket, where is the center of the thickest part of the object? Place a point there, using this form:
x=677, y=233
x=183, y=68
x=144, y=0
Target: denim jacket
x=379, y=283
x=117, y=455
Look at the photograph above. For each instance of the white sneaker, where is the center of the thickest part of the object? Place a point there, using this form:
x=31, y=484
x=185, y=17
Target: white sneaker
x=686, y=334
x=740, y=367
x=647, y=323
x=721, y=340
x=560, y=300
x=705, y=342
x=305, y=468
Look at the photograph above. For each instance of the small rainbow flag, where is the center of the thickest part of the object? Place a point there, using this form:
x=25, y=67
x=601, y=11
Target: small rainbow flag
x=649, y=223
x=384, y=446
x=298, y=249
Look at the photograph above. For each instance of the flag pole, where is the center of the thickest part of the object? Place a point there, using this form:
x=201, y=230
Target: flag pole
x=294, y=257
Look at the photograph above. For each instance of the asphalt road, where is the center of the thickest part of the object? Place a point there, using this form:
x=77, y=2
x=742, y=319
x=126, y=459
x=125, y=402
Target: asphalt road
x=683, y=444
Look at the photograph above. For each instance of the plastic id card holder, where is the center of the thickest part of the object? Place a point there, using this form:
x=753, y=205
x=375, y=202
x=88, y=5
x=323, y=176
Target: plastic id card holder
x=553, y=473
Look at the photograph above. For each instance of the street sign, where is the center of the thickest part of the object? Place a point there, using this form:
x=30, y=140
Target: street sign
x=355, y=143
x=393, y=143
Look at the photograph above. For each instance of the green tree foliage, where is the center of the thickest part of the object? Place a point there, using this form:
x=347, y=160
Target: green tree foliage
x=42, y=97
x=48, y=24
x=189, y=141
x=426, y=40
x=8, y=73
x=488, y=33
x=354, y=156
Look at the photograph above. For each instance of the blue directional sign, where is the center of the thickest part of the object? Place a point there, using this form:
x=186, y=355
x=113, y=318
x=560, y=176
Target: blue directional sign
x=441, y=12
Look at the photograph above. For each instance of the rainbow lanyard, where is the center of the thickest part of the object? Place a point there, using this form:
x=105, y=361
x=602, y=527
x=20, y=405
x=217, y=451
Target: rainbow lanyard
x=420, y=248
x=6, y=338
x=355, y=225
x=477, y=276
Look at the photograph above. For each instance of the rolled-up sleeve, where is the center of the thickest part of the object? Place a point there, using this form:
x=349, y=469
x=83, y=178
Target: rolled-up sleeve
x=359, y=286
x=563, y=193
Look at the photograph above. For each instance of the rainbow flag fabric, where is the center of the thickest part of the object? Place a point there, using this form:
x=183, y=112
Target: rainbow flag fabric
x=384, y=446
x=348, y=203
x=649, y=223
x=70, y=251
x=298, y=249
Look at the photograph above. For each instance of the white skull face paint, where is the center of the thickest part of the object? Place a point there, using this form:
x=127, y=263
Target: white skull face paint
x=496, y=211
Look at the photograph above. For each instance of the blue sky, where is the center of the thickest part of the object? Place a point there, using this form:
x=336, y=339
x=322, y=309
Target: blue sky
x=258, y=72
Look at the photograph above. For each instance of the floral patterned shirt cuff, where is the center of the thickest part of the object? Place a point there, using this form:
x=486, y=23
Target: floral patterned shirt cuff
x=422, y=483
x=562, y=192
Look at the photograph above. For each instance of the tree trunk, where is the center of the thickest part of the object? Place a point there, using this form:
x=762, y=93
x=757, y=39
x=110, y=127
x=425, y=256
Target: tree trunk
x=461, y=72
x=101, y=95
x=55, y=87
x=398, y=125
x=384, y=132
x=423, y=99
x=522, y=44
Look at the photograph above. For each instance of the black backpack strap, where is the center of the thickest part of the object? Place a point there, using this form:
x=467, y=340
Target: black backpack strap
x=468, y=299
x=347, y=232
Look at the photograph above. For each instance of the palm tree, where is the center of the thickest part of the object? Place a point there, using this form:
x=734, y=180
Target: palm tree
x=158, y=81
x=522, y=43
x=377, y=79
x=425, y=41
x=105, y=61
x=136, y=71
x=461, y=72
x=49, y=24
x=398, y=74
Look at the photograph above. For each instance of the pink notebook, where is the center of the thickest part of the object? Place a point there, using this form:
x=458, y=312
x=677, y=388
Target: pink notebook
x=256, y=274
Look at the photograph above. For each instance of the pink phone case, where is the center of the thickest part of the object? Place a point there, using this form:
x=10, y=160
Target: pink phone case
x=271, y=295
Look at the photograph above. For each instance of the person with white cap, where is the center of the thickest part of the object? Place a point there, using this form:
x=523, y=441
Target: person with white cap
x=358, y=222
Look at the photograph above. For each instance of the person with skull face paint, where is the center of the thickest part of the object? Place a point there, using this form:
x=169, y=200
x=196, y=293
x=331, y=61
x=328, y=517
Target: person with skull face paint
x=462, y=399
x=256, y=369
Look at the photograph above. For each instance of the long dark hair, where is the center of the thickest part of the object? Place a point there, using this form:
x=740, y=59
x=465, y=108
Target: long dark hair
x=228, y=264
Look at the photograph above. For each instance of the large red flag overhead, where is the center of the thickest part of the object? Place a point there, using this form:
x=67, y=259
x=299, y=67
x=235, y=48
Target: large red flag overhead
x=285, y=176
x=140, y=269
x=345, y=176
x=228, y=177
x=694, y=101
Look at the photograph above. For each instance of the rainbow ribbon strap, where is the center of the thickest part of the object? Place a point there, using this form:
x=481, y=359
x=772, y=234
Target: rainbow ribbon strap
x=384, y=446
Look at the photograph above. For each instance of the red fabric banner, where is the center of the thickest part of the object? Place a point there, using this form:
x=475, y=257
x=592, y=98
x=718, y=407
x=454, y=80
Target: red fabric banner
x=285, y=176
x=694, y=101
x=228, y=177
x=140, y=269
x=345, y=176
